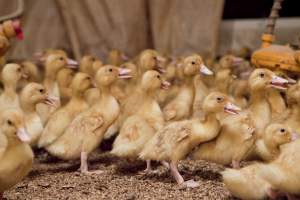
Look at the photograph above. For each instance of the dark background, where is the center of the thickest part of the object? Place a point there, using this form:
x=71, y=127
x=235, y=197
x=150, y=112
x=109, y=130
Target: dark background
x=235, y=9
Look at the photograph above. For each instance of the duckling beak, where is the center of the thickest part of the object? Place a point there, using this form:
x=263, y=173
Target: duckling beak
x=124, y=57
x=279, y=83
x=124, y=73
x=17, y=27
x=231, y=108
x=291, y=81
x=205, y=70
x=23, y=135
x=165, y=85
x=237, y=61
x=294, y=136
x=72, y=64
x=50, y=100
x=25, y=76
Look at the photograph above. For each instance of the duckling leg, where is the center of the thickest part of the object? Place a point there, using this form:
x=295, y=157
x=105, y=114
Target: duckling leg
x=166, y=164
x=235, y=164
x=84, y=165
x=148, y=168
x=179, y=179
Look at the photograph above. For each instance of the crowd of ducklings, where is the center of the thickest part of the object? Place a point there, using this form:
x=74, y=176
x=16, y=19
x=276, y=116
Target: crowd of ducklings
x=158, y=109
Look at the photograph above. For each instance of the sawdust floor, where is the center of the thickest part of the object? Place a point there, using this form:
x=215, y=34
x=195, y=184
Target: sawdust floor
x=54, y=179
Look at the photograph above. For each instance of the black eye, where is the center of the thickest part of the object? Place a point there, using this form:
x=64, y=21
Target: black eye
x=154, y=57
x=93, y=59
x=282, y=130
x=262, y=75
x=9, y=122
x=158, y=76
x=41, y=90
x=61, y=58
x=110, y=70
x=193, y=63
x=219, y=99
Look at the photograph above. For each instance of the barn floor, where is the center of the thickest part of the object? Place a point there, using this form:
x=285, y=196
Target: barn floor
x=120, y=180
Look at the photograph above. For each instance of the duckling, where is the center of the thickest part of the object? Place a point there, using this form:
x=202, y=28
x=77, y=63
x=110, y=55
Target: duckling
x=173, y=142
x=259, y=107
x=224, y=73
x=142, y=125
x=181, y=107
x=86, y=131
x=16, y=156
x=268, y=147
x=231, y=146
x=32, y=94
x=31, y=74
x=116, y=57
x=11, y=74
x=87, y=65
x=64, y=80
x=148, y=60
x=258, y=181
x=54, y=63
x=4, y=46
x=61, y=119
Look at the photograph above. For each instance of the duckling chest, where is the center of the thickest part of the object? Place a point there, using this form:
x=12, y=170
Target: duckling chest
x=34, y=124
x=109, y=109
x=153, y=114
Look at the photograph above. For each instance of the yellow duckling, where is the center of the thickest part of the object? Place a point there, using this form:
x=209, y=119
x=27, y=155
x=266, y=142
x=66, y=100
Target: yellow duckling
x=54, y=63
x=116, y=57
x=31, y=73
x=87, y=65
x=276, y=135
x=86, y=131
x=16, y=156
x=173, y=142
x=64, y=80
x=232, y=144
x=31, y=95
x=181, y=107
x=11, y=74
x=142, y=125
x=62, y=118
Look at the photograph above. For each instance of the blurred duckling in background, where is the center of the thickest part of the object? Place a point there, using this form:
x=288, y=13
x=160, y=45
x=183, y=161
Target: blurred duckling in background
x=16, y=156
x=116, y=57
x=11, y=75
x=173, y=142
x=88, y=65
x=31, y=74
x=62, y=118
x=140, y=127
x=181, y=106
x=31, y=95
x=86, y=131
x=64, y=80
x=233, y=143
x=54, y=63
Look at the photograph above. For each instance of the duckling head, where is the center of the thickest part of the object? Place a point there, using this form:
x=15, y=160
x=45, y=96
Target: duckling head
x=150, y=60
x=56, y=62
x=34, y=93
x=229, y=61
x=108, y=74
x=279, y=134
x=193, y=65
x=87, y=64
x=152, y=80
x=13, y=125
x=12, y=73
x=4, y=44
x=41, y=56
x=81, y=82
x=116, y=57
x=30, y=71
x=261, y=79
x=218, y=102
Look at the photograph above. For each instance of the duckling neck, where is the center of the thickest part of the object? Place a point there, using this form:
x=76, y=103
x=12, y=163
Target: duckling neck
x=28, y=107
x=10, y=89
x=210, y=124
x=272, y=147
x=295, y=112
x=105, y=92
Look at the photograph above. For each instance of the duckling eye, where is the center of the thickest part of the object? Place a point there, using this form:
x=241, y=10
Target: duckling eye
x=158, y=76
x=19, y=69
x=262, y=75
x=93, y=59
x=282, y=130
x=219, y=99
x=9, y=122
x=61, y=58
x=110, y=70
x=41, y=90
x=193, y=63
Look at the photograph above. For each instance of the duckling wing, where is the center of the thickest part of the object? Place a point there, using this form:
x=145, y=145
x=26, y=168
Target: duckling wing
x=86, y=123
x=3, y=144
x=169, y=113
x=54, y=128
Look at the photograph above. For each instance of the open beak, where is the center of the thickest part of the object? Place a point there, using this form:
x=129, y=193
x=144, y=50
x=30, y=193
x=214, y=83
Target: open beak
x=72, y=64
x=205, y=70
x=23, y=135
x=165, y=85
x=124, y=73
x=279, y=83
x=294, y=136
x=50, y=100
x=18, y=30
x=291, y=81
x=231, y=108
x=237, y=61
